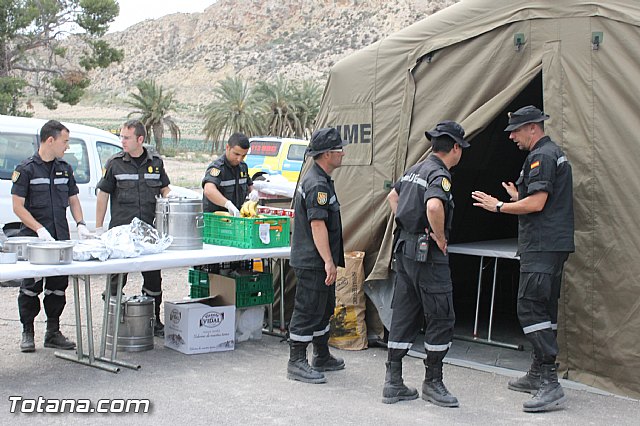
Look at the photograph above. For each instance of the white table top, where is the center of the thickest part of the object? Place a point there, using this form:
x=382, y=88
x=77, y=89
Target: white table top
x=167, y=259
x=506, y=248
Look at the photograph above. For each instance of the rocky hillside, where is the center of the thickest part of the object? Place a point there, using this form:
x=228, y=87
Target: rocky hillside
x=257, y=39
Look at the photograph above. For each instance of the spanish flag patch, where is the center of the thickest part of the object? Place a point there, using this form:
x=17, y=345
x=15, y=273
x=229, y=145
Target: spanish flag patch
x=535, y=164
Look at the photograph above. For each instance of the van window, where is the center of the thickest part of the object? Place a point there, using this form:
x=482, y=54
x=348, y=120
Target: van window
x=296, y=152
x=77, y=156
x=105, y=151
x=14, y=148
x=266, y=148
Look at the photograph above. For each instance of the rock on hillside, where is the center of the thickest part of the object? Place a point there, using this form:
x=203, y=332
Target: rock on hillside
x=257, y=39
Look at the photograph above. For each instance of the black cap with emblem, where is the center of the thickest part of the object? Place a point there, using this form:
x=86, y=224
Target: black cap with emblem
x=324, y=140
x=451, y=129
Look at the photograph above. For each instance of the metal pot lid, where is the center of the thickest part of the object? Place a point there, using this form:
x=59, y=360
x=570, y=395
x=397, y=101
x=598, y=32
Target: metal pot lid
x=52, y=244
x=138, y=298
x=22, y=240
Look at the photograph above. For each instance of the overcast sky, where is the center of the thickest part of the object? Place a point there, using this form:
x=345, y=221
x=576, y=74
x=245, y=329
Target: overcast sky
x=134, y=11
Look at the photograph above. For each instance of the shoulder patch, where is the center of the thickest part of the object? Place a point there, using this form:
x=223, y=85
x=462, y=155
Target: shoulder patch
x=214, y=172
x=535, y=164
x=322, y=198
x=446, y=185
x=15, y=176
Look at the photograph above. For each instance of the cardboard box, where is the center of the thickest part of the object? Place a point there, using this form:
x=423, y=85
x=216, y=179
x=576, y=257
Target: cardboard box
x=198, y=326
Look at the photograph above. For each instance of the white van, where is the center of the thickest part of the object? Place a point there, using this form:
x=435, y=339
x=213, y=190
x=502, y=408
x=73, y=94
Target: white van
x=89, y=149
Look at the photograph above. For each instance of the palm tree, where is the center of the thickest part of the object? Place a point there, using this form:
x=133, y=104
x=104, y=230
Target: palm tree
x=233, y=109
x=306, y=98
x=281, y=118
x=152, y=107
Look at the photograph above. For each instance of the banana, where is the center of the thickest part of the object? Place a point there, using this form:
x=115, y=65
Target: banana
x=253, y=205
x=248, y=209
x=221, y=213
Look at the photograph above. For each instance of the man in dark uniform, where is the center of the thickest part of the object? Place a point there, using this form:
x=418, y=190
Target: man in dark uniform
x=43, y=188
x=133, y=179
x=226, y=182
x=316, y=252
x=423, y=205
x=542, y=197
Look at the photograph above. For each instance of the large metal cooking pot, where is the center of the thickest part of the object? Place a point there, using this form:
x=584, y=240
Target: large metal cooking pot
x=181, y=218
x=51, y=252
x=18, y=245
x=135, y=332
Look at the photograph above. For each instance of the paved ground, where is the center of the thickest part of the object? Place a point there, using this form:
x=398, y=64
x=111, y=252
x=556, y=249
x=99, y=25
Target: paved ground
x=248, y=385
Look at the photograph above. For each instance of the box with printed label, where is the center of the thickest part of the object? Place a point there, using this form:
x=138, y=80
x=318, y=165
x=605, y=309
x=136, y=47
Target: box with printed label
x=197, y=326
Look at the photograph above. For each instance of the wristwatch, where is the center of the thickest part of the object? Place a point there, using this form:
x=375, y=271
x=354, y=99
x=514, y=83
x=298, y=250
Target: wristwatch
x=499, y=206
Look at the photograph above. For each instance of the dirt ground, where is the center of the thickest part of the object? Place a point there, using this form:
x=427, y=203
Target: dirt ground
x=187, y=173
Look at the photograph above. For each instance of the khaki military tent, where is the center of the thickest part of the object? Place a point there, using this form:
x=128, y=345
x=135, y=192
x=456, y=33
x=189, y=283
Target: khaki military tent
x=473, y=62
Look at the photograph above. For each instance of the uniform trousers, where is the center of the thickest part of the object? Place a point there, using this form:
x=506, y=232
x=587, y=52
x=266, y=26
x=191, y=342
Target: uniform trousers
x=151, y=286
x=313, y=307
x=538, y=294
x=54, y=298
x=423, y=292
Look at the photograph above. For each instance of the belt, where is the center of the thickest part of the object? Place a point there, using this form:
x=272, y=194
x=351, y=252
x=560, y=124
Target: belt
x=409, y=236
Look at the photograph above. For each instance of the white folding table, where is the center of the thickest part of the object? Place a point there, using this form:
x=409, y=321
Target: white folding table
x=504, y=249
x=167, y=259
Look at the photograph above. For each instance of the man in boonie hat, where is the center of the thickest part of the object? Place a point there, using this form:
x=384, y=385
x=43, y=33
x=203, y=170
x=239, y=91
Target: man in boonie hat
x=423, y=205
x=316, y=252
x=542, y=197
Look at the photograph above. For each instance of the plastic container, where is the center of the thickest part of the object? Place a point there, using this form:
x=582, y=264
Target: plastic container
x=254, y=290
x=199, y=283
x=245, y=232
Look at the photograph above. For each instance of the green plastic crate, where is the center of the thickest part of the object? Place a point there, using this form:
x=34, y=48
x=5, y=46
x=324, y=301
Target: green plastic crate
x=255, y=289
x=199, y=284
x=243, y=232
x=196, y=291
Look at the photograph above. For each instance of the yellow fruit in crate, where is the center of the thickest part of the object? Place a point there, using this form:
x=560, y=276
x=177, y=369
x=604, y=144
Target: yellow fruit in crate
x=221, y=213
x=248, y=209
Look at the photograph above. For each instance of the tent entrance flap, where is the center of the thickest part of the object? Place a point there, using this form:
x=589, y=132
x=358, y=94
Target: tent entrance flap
x=492, y=159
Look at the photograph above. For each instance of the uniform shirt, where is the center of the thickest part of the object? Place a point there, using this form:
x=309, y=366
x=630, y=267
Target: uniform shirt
x=316, y=199
x=133, y=188
x=547, y=169
x=232, y=182
x=46, y=188
x=425, y=180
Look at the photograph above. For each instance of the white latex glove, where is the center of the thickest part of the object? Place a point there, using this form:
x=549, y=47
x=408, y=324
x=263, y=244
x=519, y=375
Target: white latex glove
x=99, y=231
x=254, y=196
x=83, y=232
x=231, y=208
x=44, y=235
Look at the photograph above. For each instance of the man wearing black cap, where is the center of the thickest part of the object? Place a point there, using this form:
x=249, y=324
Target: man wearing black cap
x=226, y=183
x=542, y=197
x=316, y=252
x=423, y=205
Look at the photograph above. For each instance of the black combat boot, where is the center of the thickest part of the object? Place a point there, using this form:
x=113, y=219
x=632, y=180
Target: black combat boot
x=531, y=381
x=27, y=344
x=298, y=368
x=433, y=388
x=158, y=328
x=549, y=395
x=53, y=338
x=394, y=388
x=323, y=360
